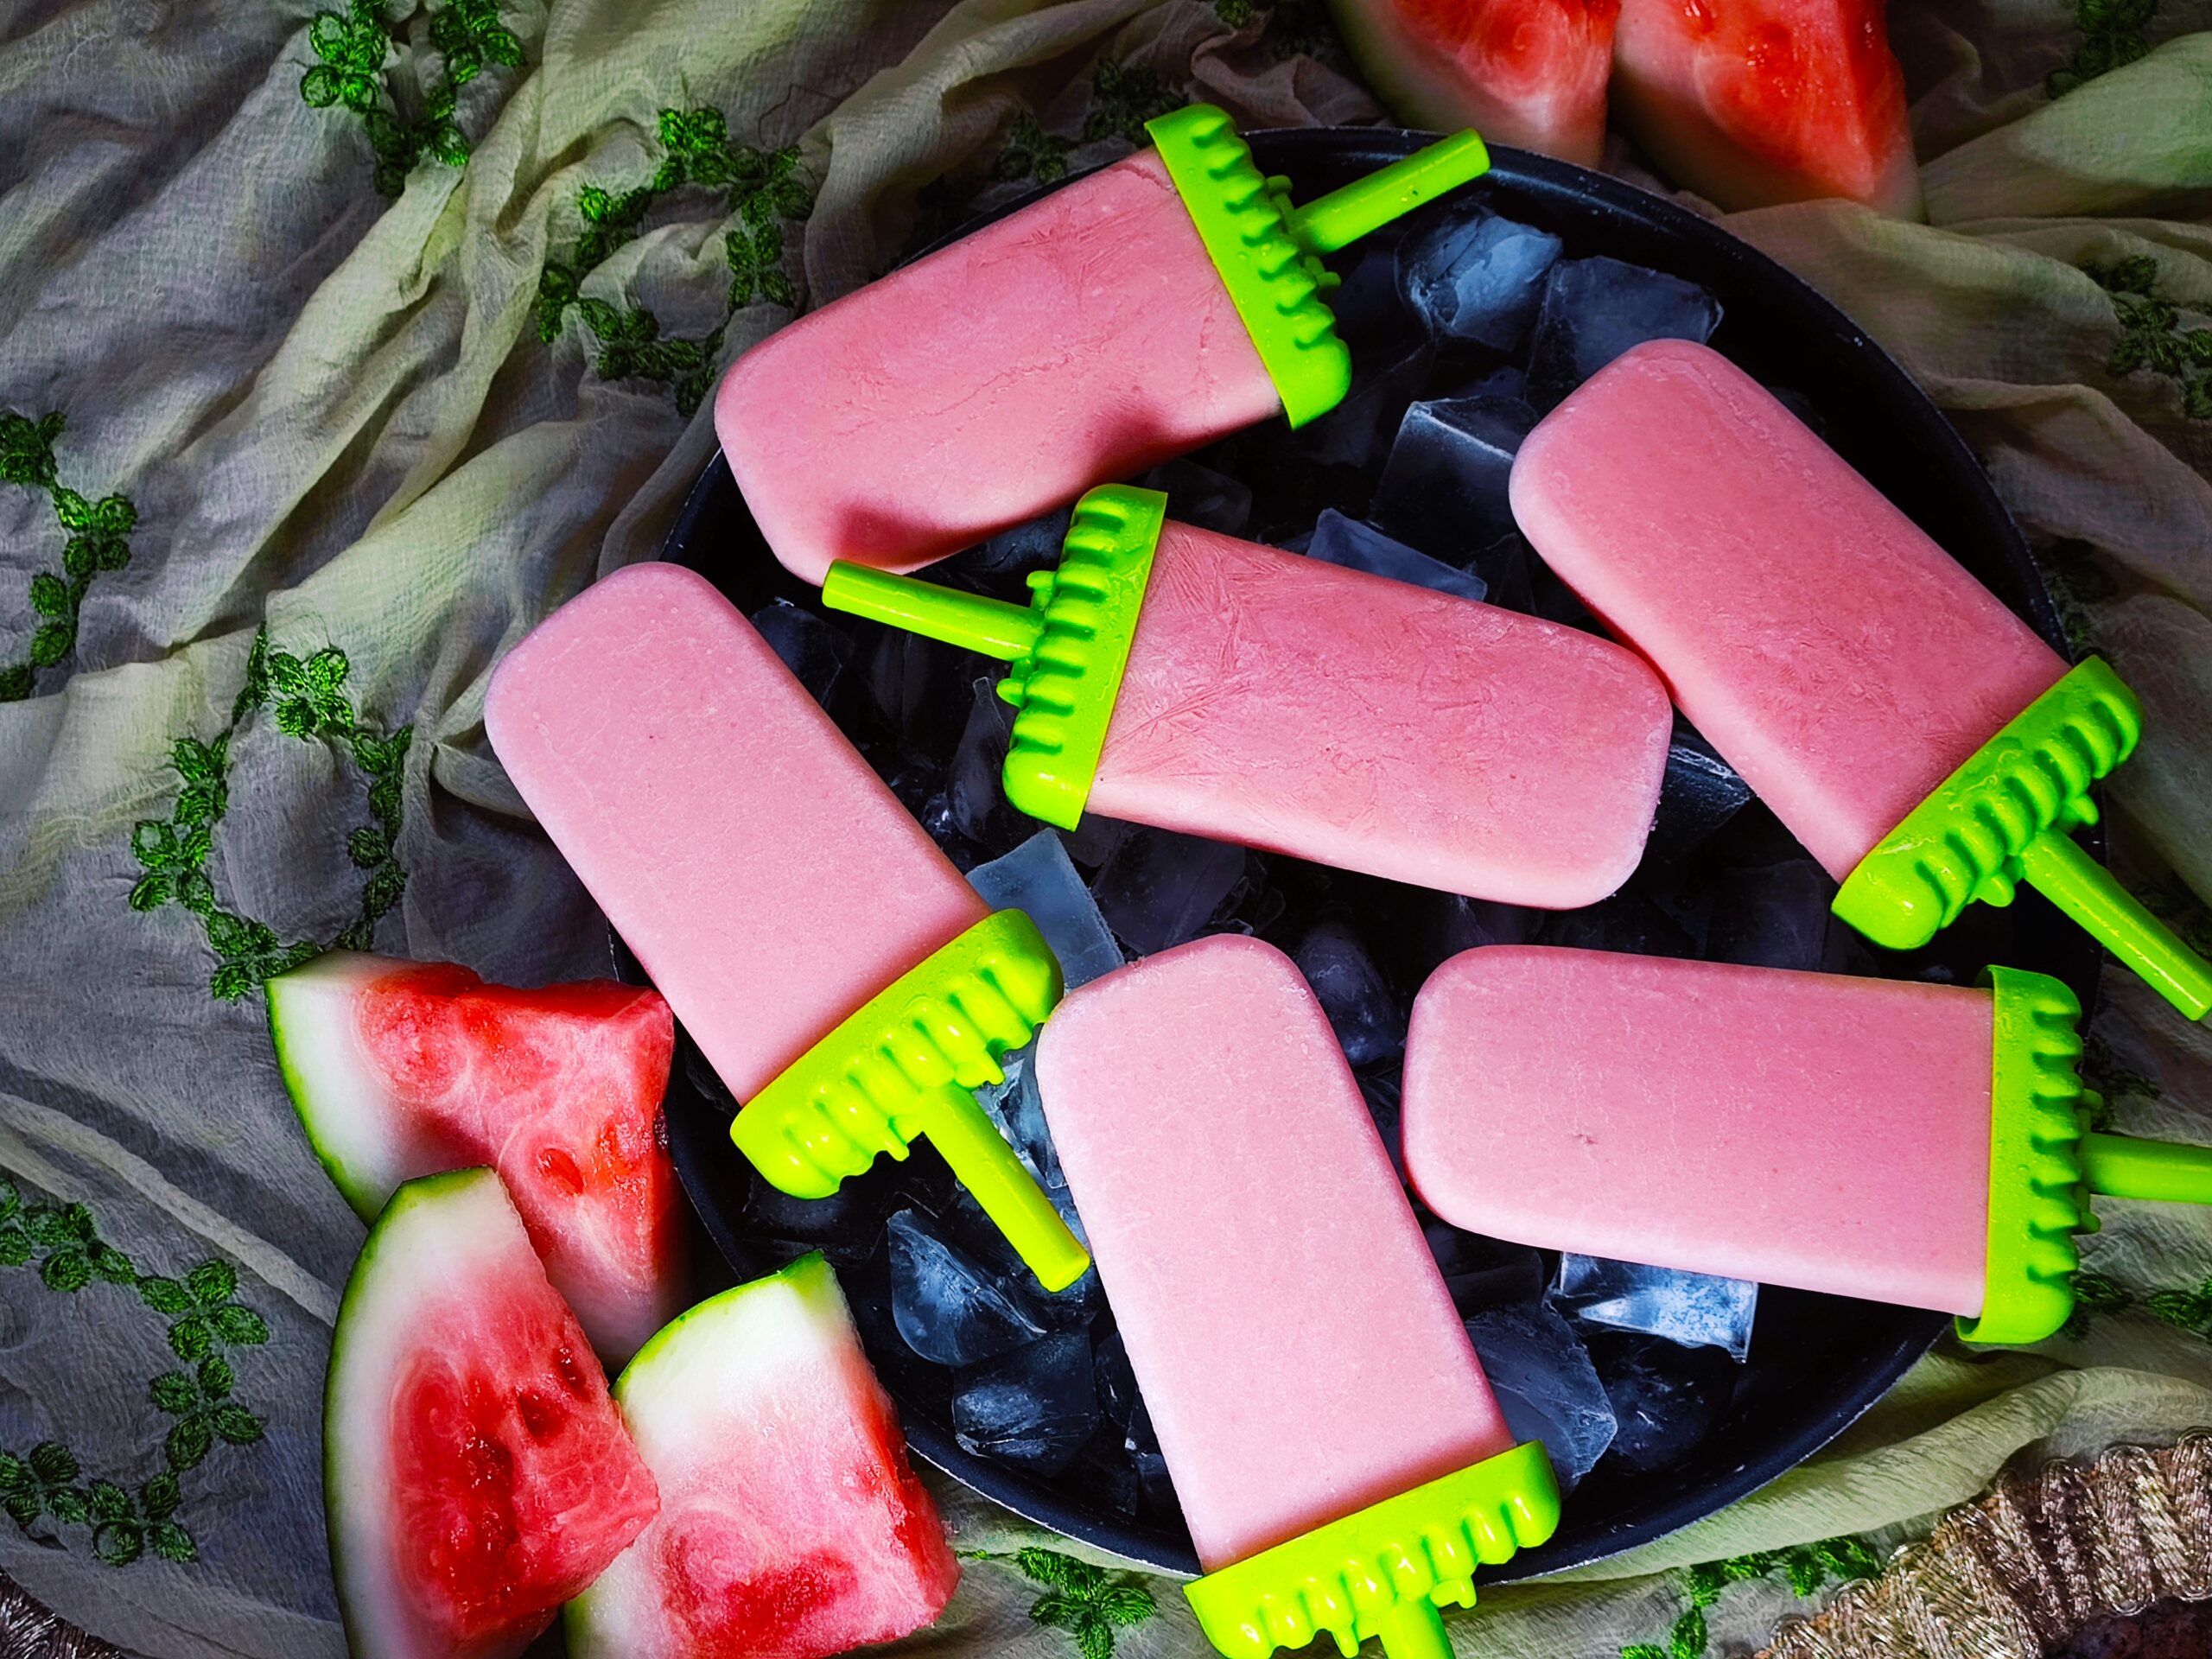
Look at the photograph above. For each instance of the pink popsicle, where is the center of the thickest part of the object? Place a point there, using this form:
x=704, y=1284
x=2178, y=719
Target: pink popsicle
x=801, y=925
x=1240, y=1202
x=1807, y=1130
x=1083, y=338
x=1839, y=659
x=1303, y=708
x=719, y=817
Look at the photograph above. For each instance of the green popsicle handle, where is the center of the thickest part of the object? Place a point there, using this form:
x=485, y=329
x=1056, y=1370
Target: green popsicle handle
x=2164, y=1170
x=979, y=1155
x=969, y=620
x=1351, y=210
x=1413, y=1629
x=2056, y=867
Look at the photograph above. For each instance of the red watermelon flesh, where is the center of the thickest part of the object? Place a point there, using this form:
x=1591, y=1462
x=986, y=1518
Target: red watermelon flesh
x=791, y=1526
x=1527, y=73
x=477, y=1475
x=402, y=1069
x=1755, y=102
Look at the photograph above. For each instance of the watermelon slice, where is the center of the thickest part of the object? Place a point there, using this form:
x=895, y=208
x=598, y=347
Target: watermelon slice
x=792, y=1524
x=476, y=1472
x=1754, y=102
x=400, y=1069
x=1527, y=73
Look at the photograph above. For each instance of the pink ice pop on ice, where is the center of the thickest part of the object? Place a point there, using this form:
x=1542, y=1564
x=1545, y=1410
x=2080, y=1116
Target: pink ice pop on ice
x=769, y=882
x=1925, y=744
x=1885, y=1139
x=1289, y=704
x=1149, y=308
x=1242, y=1208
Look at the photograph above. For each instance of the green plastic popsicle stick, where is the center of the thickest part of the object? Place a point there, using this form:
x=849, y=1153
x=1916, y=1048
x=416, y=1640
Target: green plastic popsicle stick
x=902, y=1066
x=1385, y=1570
x=1269, y=254
x=2044, y=1163
x=2004, y=817
x=1068, y=649
x=1350, y=211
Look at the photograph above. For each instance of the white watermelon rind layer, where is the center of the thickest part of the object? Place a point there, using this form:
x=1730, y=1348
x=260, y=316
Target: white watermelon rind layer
x=676, y=1392
x=433, y=1229
x=351, y=1121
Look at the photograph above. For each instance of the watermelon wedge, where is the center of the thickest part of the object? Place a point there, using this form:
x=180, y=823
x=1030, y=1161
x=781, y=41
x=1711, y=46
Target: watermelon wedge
x=791, y=1525
x=476, y=1472
x=400, y=1069
x=1527, y=73
x=1755, y=102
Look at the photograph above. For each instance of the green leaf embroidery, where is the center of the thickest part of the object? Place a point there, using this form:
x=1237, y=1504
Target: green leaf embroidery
x=1087, y=1602
x=765, y=195
x=2151, y=337
x=98, y=540
x=354, y=46
x=1804, y=1568
x=2114, y=33
x=306, y=698
x=45, y=1482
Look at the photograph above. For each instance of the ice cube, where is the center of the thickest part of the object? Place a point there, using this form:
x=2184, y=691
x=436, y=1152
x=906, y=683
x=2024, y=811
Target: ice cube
x=1366, y=303
x=1772, y=915
x=1666, y=1398
x=1032, y=545
x=1472, y=274
x=1108, y=1474
x=1455, y=923
x=1034, y=1407
x=1362, y=1011
x=1339, y=540
x=1015, y=1108
x=1699, y=792
x=844, y=1226
x=1158, y=1488
x=817, y=652
x=1443, y=488
x=1697, y=1310
x=1160, y=888
x=1117, y=1383
x=943, y=1302
x=1483, y=1272
x=974, y=783
x=960, y=1220
x=1506, y=568
x=1384, y=1096
x=1546, y=1385
x=1506, y=380
x=1596, y=309
x=1039, y=879
x=1628, y=921
x=917, y=686
x=1093, y=840
x=1353, y=433
x=1198, y=495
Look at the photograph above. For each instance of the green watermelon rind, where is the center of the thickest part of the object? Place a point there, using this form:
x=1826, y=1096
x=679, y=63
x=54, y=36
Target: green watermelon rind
x=318, y=1066
x=355, y=1484
x=1399, y=67
x=590, y=1630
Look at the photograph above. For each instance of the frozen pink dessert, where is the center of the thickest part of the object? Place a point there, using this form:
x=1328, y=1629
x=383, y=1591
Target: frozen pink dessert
x=1083, y=338
x=767, y=879
x=1242, y=1209
x=1843, y=663
x=1807, y=1129
x=1303, y=708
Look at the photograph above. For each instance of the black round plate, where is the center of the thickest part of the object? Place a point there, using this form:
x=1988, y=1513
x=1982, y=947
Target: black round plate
x=1817, y=1362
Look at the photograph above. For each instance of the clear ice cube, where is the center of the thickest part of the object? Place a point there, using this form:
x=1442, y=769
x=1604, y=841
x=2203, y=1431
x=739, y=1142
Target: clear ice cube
x=817, y=652
x=1362, y=1011
x=945, y=1303
x=1385, y=1098
x=1699, y=792
x=1159, y=888
x=1117, y=1383
x=1032, y=545
x=1596, y=309
x=1038, y=878
x=1666, y=1398
x=1546, y=1385
x=1198, y=495
x=1034, y=1407
x=1483, y=1272
x=1443, y=488
x=1339, y=540
x=975, y=784
x=1772, y=915
x=1353, y=433
x=1697, y=1310
x=1472, y=274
